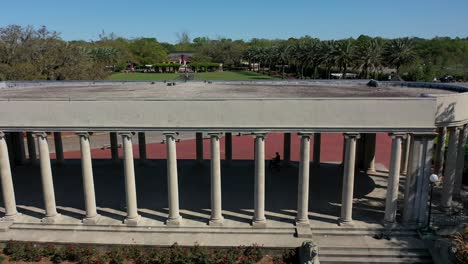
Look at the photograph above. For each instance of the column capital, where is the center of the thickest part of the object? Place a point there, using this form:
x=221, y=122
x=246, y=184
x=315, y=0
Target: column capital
x=424, y=134
x=40, y=134
x=2, y=135
x=126, y=134
x=305, y=134
x=352, y=135
x=215, y=134
x=398, y=135
x=83, y=134
x=259, y=134
x=170, y=134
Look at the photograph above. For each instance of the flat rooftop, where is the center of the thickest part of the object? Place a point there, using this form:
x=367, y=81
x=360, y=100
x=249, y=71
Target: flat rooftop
x=203, y=90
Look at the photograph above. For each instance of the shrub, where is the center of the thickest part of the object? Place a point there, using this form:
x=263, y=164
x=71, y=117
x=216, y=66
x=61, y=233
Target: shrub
x=460, y=248
x=88, y=255
x=22, y=251
x=116, y=255
x=48, y=251
x=289, y=257
x=32, y=253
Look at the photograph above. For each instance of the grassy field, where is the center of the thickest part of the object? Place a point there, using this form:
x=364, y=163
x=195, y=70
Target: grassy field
x=225, y=76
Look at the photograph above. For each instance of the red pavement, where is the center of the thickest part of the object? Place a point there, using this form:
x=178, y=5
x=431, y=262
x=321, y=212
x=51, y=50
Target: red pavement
x=243, y=149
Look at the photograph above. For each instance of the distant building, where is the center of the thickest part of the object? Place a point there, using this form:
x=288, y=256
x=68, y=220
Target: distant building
x=180, y=57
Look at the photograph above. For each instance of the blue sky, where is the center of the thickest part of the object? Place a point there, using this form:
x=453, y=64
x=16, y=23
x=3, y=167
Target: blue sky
x=325, y=19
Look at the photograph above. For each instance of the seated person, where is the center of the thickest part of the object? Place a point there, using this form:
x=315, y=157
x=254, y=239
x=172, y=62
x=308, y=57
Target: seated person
x=275, y=162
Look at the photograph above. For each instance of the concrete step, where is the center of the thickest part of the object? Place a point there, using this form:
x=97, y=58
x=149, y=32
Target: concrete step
x=382, y=252
x=381, y=260
x=363, y=232
x=152, y=229
x=374, y=255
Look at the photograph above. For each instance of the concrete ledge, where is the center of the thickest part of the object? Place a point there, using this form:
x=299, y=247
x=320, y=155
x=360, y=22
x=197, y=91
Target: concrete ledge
x=303, y=231
x=5, y=225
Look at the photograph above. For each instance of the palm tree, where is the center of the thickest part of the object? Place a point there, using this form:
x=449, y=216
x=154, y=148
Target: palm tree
x=282, y=55
x=343, y=55
x=313, y=57
x=399, y=52
x=326, y=58
x=368, y=56
x=299, y=55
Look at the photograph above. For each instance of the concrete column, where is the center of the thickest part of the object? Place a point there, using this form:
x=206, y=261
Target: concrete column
x=9, y=201
x=18, y=143
x=228, y=147
x=114, y=147
x=440, y=151
x=317, y=148
x=417, y=179
x=303, y=186
x=348, y=179
x=369, y=153
x=130, y=187
x=88, y=180
x=58, y=148
x=199, y=147
x=142, y=146
x=31, y=147
x=450, y=168
x=174, y=218
x=405, y=153
x=460, y=161
x=47, y=180
x=216, y=214
x=287, y=148
x=259, y=219
x=393, y=179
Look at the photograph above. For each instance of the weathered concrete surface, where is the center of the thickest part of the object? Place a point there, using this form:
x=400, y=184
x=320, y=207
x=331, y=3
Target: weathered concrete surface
x=194, y=90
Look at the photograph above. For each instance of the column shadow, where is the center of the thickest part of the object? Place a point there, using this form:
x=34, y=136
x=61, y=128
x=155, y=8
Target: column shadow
x=281, y=189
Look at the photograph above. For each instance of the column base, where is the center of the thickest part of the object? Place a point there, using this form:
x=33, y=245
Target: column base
x=50, y=219
x=345, y=223
x=216, y=222
x=91, y=220
x=259, y=223
x=174, y=221
x=370, y=171
x=132, y=221
x=389, y=225
x=10, y=218
x=302, y=222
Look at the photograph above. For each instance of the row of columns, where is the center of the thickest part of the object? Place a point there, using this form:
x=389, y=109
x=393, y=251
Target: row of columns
x=450, y=162
x=419, y=149
x=132, y=218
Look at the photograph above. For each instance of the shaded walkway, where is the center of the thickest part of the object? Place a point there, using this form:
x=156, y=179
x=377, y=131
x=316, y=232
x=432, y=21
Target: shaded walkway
x=194, y=191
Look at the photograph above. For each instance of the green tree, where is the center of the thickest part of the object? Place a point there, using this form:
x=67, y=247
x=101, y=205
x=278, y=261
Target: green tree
x=343, y=55
x=368, y=56
x=399, y=52
x=148, y=51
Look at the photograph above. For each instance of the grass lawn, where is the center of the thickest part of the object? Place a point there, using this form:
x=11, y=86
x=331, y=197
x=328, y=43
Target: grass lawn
x=225, y=76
